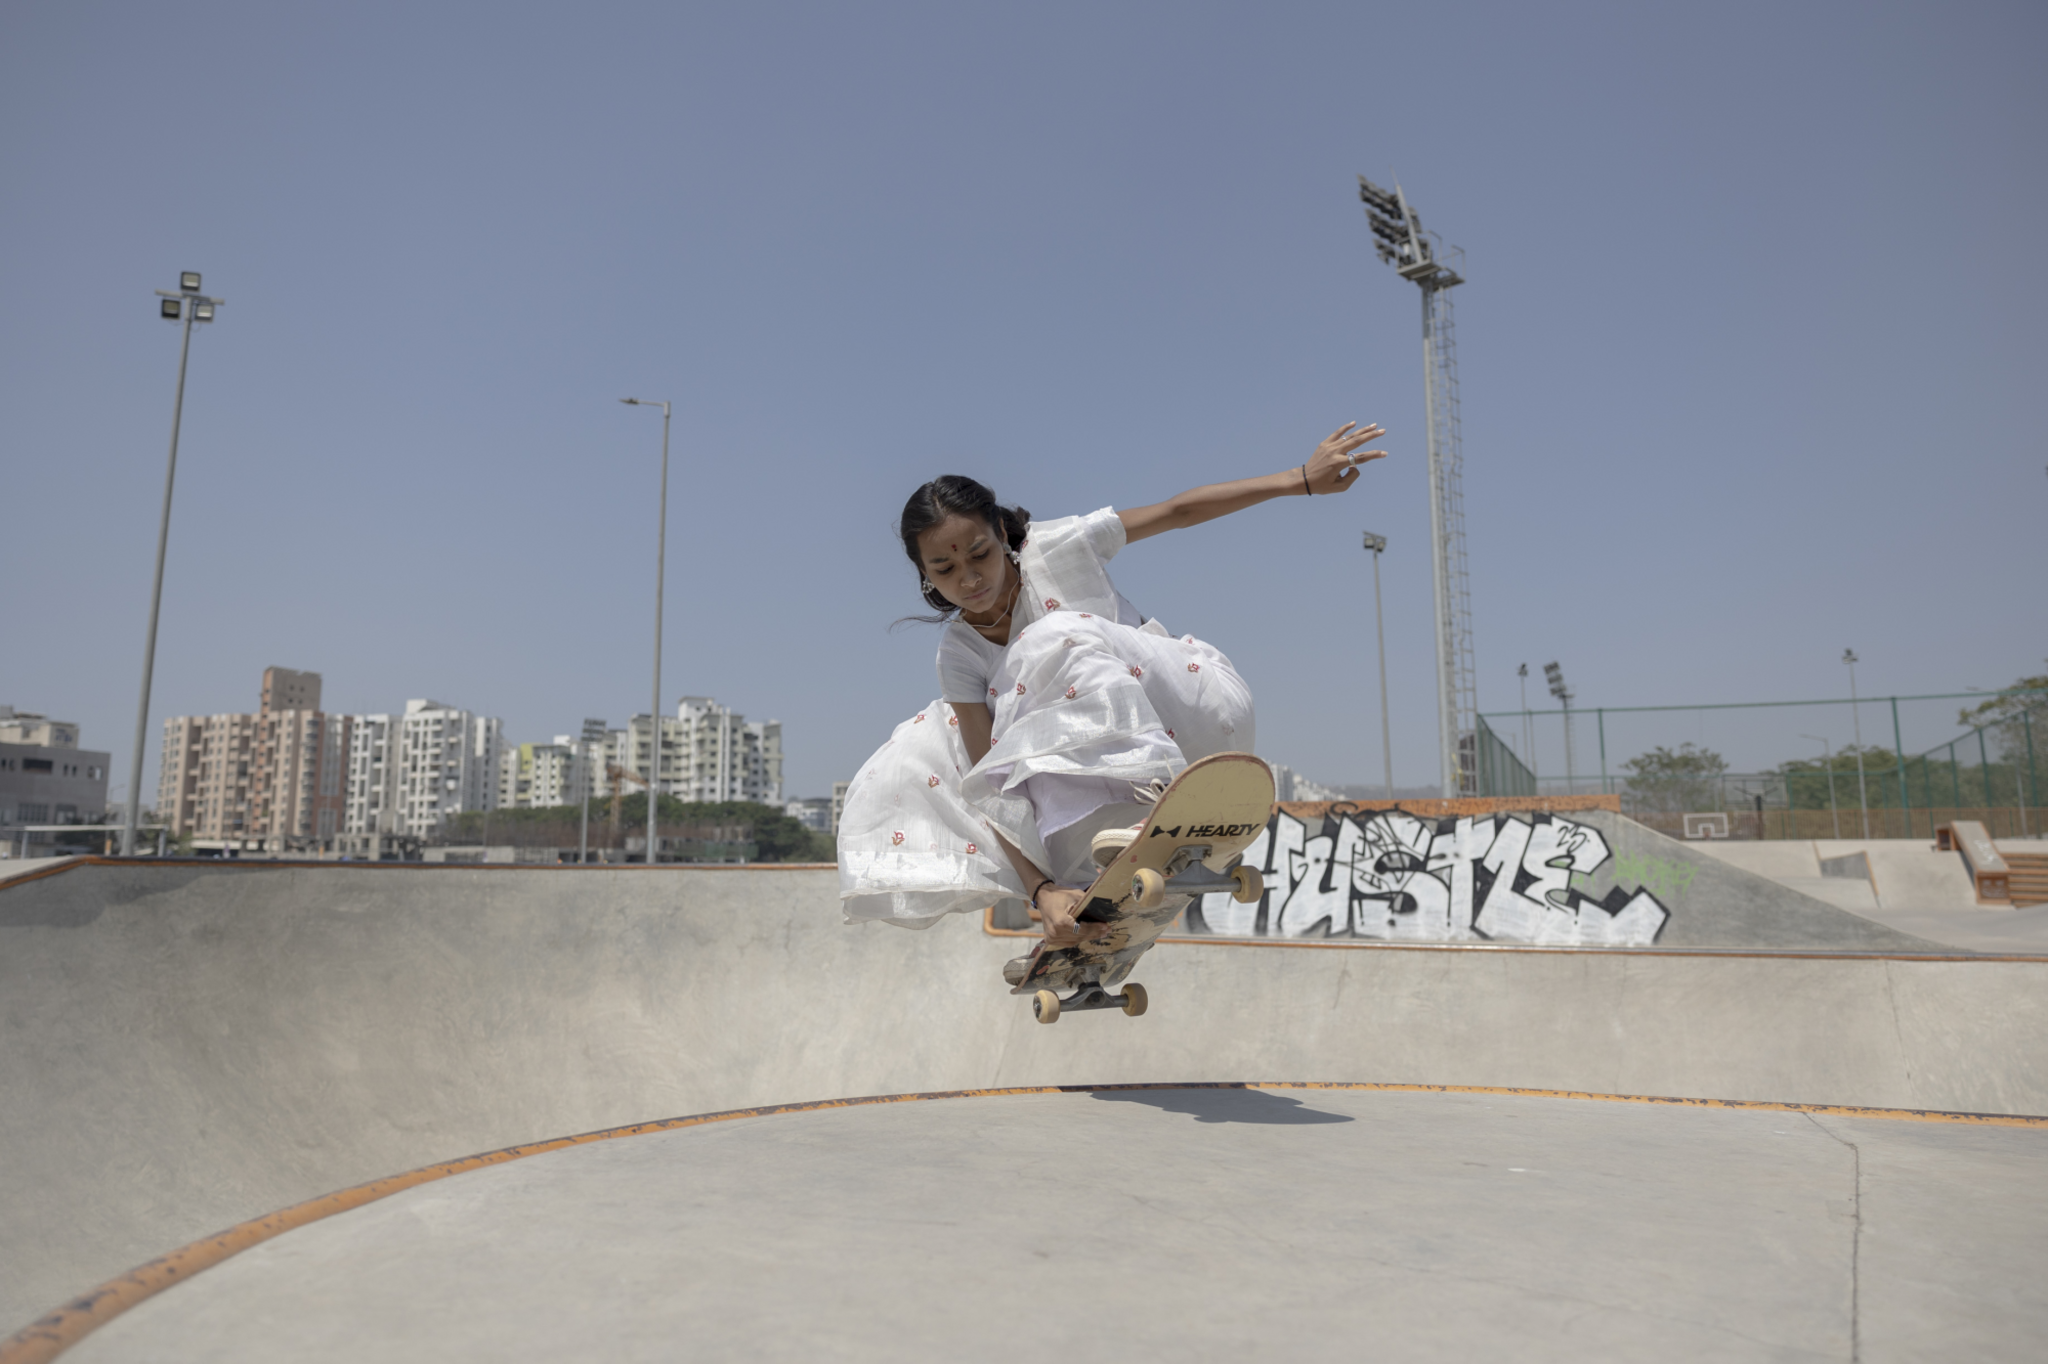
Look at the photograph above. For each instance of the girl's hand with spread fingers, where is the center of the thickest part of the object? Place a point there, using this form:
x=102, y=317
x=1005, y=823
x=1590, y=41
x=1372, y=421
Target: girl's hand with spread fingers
x=1334, y=465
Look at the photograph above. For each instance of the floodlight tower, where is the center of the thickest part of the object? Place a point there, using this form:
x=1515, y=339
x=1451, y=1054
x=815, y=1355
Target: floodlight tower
x=1401, y=242
x=1565, y=696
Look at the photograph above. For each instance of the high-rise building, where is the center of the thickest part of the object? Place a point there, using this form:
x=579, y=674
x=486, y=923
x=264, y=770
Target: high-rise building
x=299, y=759
x=371, y=787
x=448, y=763
x=709, y=752
x=275, y=778
x=538, y=776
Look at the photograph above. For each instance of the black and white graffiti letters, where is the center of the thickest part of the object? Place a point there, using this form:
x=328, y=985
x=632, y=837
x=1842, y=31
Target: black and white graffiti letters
x=1395, y=877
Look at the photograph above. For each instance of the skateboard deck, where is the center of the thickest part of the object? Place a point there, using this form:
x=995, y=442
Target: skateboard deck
x=1188, y=846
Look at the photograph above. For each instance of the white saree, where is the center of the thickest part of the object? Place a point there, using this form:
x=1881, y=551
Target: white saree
x=1085, y=706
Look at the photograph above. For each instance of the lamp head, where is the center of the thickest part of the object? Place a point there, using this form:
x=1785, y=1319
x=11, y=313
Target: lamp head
x=171, y=310
x=188, y=282
x=1375, y=543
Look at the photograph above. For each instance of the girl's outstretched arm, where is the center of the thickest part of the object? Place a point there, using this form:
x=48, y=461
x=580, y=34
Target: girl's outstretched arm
x=1331, y=469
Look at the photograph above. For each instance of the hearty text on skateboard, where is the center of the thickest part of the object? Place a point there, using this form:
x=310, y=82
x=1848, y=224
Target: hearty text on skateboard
x=1189, y=845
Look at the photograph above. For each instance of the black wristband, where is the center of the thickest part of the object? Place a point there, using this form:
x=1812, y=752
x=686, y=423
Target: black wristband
x=1306, y=491
x=1032, y=898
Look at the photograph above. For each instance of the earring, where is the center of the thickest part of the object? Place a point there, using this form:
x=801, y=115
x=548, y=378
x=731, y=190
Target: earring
x=925, y=583
x=1014, y=557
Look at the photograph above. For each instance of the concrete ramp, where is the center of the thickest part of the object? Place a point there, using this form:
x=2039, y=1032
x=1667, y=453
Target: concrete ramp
x=183, y=1047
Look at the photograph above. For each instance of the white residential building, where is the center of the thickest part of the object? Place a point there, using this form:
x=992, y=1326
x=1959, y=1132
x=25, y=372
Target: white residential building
x=538, y=776
x=709, y=752
x=447, y=763
x=371, y=805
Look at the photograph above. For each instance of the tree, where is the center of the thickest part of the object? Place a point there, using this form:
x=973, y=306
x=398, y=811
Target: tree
x=1672, y=781
x=2010, y=714
x=1806, y=779
x=708, y=830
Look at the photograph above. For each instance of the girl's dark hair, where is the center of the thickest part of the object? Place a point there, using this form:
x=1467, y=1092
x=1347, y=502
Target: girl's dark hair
x=951, y=495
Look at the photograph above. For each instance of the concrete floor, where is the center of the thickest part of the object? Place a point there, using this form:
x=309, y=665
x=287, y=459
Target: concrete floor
x=1182, y=1223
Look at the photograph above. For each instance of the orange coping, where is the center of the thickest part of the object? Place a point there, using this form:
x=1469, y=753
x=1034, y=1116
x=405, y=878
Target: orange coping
x=59, y=1330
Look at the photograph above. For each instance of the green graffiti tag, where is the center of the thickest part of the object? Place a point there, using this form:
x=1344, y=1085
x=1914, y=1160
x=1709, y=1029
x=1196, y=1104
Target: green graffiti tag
x=1665, y=880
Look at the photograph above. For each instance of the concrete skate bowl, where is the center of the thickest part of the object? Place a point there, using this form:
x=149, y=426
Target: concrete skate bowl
x=186, y=1049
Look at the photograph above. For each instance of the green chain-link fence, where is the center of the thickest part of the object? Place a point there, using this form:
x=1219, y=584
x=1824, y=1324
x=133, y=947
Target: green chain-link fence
x=1786, y=769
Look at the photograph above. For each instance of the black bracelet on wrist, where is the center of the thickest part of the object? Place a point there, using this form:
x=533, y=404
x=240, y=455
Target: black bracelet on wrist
x=1306, y=491
x=1032, y=898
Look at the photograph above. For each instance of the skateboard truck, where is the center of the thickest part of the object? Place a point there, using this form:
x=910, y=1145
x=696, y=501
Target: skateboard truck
x=1047, y=1007
x=1188, y=874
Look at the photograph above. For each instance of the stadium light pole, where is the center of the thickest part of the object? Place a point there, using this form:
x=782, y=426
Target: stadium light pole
x=188, y=305
x=660, y=575
x=1856, y=719
x=1377, y=545
x=1418, y=256
x=1528, y=721
x=1828, y=757
x=1555, y=676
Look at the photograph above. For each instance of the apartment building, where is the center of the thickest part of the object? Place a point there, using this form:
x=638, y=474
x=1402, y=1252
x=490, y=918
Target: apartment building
x=275, y=779
x=370, y=799
x=447, y=762
x=298, y=764
x=204, y=782
x=542, y=775
x=709, y=752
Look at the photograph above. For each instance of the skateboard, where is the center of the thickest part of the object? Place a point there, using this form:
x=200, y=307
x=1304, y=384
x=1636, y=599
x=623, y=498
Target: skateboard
x=1190, y=845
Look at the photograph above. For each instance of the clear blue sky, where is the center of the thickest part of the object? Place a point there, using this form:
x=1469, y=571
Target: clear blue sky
x=1756, y=301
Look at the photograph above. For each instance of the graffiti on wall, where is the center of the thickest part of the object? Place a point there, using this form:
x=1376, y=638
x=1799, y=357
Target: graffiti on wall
x=1393, y=876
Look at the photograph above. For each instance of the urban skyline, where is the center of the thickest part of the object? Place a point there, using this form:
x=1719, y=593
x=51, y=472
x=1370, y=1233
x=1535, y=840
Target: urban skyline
x=293, y=776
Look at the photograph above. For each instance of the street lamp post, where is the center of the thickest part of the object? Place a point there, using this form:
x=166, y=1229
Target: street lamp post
x=660, y=575
x=583, y=780
x=1856, y=719
x=1528, y=723
x=1377, y=545
x=188, y=305
x=1827, y=756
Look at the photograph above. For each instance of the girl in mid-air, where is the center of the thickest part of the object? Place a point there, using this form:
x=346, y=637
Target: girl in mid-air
x=1063, y=712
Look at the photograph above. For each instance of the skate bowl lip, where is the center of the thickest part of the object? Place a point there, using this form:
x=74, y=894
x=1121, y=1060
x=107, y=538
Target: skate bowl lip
x=58, y=1330
x=1516, y=949
x=988, y=925
x=64, y=864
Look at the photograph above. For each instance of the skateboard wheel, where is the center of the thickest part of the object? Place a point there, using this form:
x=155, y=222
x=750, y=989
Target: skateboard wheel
x=1046, y=1005
x=1134, y=1000
x=1250, y=885
x=1148, y=888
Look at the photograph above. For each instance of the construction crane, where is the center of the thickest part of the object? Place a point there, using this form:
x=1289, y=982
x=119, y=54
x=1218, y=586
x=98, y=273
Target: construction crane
x=619, y=774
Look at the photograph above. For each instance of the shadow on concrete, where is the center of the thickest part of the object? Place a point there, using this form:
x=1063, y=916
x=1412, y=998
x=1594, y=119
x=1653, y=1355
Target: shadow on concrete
x=1224, y=1105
